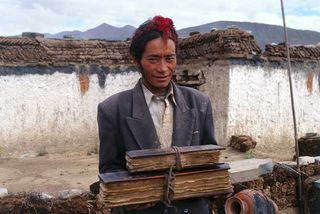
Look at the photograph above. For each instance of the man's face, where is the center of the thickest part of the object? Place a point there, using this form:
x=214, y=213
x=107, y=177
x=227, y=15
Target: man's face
x=158, y=63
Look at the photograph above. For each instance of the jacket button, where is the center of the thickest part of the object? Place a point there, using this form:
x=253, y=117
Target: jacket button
x=186, y=210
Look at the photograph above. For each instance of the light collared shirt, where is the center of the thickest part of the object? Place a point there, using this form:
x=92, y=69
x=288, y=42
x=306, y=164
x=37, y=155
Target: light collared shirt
x=161, y=109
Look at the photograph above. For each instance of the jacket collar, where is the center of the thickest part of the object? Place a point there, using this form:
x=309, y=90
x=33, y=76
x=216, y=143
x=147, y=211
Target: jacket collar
x=143, y=129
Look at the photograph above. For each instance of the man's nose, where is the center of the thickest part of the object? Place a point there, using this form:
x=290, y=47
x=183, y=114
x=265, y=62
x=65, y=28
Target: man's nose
x=163, y=66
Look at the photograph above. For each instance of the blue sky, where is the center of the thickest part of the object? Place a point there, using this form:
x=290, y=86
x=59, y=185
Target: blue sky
x=53, y=16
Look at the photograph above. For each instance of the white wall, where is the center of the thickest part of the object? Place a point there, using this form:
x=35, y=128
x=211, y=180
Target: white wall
x=50, y=110
x=259, y=105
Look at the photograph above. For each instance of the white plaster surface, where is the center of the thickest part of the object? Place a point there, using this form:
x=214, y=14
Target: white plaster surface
x=259, y=105
x=38, y=111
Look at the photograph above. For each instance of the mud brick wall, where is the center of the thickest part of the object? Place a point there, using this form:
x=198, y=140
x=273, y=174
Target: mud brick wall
x=218, y=44
x=21, y=51
x=227, y=43
x=24, y=51
x=297, y=53
x=87, y=52
x=227, y=65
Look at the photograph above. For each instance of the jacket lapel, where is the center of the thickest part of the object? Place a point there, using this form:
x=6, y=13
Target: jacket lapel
x=184, y=119
x=141, y=124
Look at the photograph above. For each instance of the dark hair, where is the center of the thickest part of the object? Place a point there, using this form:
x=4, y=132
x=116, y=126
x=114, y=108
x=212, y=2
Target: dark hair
x=149, y=30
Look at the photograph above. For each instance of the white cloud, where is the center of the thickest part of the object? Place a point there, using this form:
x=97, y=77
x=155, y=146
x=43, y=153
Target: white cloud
x=304, y=23
x=59, y=15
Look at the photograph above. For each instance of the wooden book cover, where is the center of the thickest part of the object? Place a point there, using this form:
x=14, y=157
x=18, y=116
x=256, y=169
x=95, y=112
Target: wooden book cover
x=122, y=188
x=162, y=159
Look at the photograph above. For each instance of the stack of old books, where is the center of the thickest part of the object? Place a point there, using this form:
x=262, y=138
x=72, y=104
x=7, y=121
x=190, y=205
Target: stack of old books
x=194, y=171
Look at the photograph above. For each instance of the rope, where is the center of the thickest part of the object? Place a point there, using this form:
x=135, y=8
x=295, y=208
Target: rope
x=178, y=163
x=169, y=187
x=170, y=180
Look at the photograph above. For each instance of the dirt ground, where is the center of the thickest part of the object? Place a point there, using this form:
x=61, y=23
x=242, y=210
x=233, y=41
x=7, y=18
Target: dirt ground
x=52, y=173
x=55, y=172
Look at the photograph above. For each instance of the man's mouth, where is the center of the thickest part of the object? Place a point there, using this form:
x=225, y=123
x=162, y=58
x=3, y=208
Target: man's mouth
x=161, y=77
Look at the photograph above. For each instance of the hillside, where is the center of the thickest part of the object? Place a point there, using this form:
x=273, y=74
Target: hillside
x=263, y=33
x=103, y=31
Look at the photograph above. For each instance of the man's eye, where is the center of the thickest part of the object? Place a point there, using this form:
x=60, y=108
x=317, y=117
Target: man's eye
x=152, y=59
x=170, y=58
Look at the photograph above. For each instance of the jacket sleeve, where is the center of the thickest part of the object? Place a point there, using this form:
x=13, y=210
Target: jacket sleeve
x=111, y=155
x=208, y=129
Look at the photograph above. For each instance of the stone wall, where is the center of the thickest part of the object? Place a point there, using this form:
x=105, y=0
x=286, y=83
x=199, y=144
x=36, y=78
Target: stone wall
x=219, y=44
x=55, y=52
x=297, y=53
x=260, y=103
x=250, y=90
x=215, y=85
x=46, y=85
x=54, y=112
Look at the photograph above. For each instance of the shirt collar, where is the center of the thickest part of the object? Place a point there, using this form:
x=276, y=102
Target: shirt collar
x=148, y=94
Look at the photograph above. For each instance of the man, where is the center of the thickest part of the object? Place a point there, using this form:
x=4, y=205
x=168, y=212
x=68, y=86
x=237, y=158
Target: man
x=156, y=113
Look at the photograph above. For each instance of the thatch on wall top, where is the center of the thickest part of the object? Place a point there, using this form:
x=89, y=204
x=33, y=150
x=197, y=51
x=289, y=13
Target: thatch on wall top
x=297, y=53
x=19, y=51
x=226, y=43
x=218, y=44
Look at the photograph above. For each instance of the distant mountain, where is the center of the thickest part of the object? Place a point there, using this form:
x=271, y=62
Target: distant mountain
x=75, y=34
x=263, y=33
x=103, y=31
x=106, y=31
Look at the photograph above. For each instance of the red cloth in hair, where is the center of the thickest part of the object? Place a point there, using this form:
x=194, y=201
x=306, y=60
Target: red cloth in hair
x=159, y=23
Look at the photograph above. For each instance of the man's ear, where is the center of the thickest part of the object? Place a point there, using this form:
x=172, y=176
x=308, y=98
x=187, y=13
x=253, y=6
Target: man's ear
x=137, y=63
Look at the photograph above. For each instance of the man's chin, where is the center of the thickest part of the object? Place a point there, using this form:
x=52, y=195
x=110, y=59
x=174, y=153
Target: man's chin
x=157, y=85
x=161, y=85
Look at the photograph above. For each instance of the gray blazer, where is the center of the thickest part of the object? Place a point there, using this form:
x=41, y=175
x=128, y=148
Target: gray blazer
x=125, y=124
